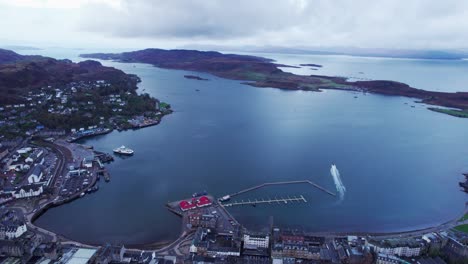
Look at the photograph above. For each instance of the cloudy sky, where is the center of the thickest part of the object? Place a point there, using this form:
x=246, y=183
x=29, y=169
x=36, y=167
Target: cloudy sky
x=415, y=24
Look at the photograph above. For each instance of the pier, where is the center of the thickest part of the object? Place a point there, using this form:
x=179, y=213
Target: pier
x=275, y=200
x=229, y=196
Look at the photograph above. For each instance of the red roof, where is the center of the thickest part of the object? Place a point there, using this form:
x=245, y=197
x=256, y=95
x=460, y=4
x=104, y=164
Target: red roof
x=185, y=205
x=193, y=203
x=203, y=201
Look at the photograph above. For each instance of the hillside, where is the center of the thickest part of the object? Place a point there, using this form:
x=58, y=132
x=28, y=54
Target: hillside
x=21, y=74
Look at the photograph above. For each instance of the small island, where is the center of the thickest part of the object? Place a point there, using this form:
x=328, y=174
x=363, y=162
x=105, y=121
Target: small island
x=195, y=77
x=312, y=65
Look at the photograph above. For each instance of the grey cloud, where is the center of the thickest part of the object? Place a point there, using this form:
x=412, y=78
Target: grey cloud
x=384, y=23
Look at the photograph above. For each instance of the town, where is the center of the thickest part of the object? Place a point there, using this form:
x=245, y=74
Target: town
x=81, y=108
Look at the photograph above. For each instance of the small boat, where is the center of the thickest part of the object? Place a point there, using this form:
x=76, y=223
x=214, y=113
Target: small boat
x=82, y=194
x=123, y=150
x=93, y=189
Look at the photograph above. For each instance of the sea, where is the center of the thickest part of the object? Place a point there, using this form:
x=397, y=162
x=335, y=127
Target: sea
x=397, y=164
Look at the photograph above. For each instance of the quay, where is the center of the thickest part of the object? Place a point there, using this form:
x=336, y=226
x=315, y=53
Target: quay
x=229, y=196
x=268, y=201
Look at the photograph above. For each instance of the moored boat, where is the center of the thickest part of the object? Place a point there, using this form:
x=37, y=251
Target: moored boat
x=123, y=150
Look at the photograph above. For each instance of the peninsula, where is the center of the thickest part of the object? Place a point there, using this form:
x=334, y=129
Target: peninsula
x=263, y=72
x=39, y=94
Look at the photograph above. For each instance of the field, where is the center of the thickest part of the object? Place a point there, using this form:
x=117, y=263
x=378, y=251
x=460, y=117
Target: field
x=463, y=228
x=452, y=112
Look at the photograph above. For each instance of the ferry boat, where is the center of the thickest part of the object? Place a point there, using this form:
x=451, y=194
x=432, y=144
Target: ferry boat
x=123, y=150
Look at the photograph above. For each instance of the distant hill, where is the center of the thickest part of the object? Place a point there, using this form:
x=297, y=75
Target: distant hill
x=348, y=51
x=19, y=74
x=19, y=47
x=7, y=56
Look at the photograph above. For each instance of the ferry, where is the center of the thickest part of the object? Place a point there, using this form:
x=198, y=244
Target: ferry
x=123, y=150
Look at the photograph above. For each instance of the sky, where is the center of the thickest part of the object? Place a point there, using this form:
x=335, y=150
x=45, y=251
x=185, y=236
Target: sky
x=391, y=24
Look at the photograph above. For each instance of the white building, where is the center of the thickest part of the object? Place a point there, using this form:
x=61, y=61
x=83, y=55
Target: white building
x=401, y=251
x=24, y=150
x=254, y=242
x=15, y=231
x=28, y=191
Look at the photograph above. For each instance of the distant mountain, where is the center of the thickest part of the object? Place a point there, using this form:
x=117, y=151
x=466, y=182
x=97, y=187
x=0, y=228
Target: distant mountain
x=19, y=47
x=349, y=51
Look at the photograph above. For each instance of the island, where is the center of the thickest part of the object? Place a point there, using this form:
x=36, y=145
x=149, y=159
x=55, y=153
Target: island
x=262, y=72
x=194, y=77
x=312, y=65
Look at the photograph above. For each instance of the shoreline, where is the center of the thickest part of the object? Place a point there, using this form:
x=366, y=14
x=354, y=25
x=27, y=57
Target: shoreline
x=157, y=245
x=163, y=244
x=262, y=72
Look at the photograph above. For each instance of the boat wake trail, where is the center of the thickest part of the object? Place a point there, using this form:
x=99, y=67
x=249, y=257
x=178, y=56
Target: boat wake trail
x=340, y=188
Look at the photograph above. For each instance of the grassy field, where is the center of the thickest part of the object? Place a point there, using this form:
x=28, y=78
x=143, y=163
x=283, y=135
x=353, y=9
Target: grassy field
x=463, y=228
x=465, y=217
x=452, y=112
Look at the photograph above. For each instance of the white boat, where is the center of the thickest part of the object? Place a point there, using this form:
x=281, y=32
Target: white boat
x=123, y=150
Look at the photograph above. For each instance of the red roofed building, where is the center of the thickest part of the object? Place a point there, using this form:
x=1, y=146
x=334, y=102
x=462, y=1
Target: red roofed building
x=194, y=203
x=186, y=205
x=203, y=201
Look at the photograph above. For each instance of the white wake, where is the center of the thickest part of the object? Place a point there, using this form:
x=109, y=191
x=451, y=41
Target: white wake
x=340, y=188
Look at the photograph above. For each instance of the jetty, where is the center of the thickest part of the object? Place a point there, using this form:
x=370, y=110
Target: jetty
x=229, y=196
x=281, y=200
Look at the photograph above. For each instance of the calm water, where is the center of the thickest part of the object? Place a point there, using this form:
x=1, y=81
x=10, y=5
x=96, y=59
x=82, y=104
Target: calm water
x=400, y=165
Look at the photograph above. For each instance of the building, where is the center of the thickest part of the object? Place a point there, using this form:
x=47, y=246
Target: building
x=210, y=244
x=456, y=250
x=255, y=242
x=22, y=247
x=76, y=256
x=387, y=259
x=27, y=191
x=402, y=248
x=202, y=201
x=12, y=225
x=88, y=161
x=36, y=175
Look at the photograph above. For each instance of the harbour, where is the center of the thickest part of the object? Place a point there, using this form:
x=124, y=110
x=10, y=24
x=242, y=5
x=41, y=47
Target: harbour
x=280, y=200
x=195, y=149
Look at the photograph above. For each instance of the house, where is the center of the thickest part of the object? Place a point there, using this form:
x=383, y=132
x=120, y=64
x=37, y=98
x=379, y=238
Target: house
x=28, y=191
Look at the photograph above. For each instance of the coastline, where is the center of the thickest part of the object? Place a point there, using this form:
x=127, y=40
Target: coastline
x=156, y=245
x=262, y=72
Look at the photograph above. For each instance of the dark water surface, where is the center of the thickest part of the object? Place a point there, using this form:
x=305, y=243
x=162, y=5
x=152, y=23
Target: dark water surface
x=400, y=165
